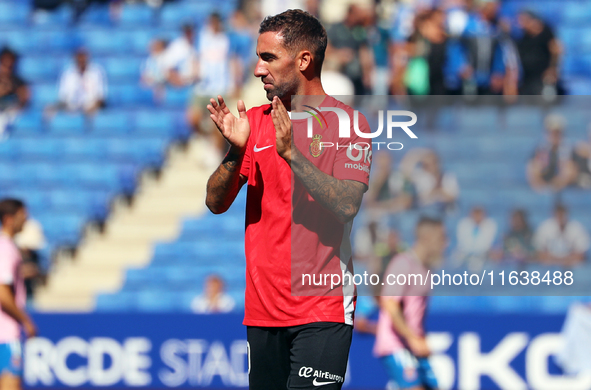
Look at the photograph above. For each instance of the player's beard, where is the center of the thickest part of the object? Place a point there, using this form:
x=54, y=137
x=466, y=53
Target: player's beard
x=283, y=90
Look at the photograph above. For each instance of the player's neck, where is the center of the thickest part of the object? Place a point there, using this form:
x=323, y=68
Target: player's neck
x=6, y=231
x=420, y=253
x=312, y=94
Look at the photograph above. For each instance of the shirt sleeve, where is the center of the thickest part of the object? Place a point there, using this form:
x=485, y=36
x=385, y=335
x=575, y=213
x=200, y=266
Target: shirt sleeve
x=245, y=166
x=7, y=265
x=450, y=184
x=540, y=237
x=353, y=162
x=581, y=239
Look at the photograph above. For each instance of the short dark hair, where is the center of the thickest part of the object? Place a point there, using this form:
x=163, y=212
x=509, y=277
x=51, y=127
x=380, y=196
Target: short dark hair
x=9, y=207
x=300, y=30
x=429, y=221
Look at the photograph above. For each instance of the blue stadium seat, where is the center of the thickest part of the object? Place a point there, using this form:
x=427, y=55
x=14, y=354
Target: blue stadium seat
x=37, y=202
x=524, y=120
x=63, y=229
x=136, y=15
x=44, y=94
x=39, y=69
x=126, y=95
x=177, y=97
x=19, y=40
x=8, y=176
x=67, y=124
x=8, y=152
x=140, y=40
x=123, y=69
x=173, y=15
x=576, y=13
x=95, y=15
x=155, y=122
x=83, y=149
x=27, y=123
x=478, y=120
x=60, y=17
x=14, y=14
x=148, y=152
x=123, y=301
x=31, y=149
x=158, y=301
x=232, y=227
x=110, y=122
x=59, y=40
x=104, y=41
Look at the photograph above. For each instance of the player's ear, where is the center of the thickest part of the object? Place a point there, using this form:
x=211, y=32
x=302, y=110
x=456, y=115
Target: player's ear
x=305, y=60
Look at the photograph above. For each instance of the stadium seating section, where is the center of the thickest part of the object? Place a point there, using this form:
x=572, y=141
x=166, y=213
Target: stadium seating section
x=70, y=168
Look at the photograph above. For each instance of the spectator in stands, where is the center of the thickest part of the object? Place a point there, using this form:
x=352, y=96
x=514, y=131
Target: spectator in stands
x=582, y=161
x=217, y=76
x=435, y=63
x=560, y=240
x=213, y=299
x=378, y=39
x=488, y=51
x=436, y=189
x=30, y=241
x=154, y=72
x=551, y=165
x=181, y=59
x=83, y=85
x=14, y=91
x=347, y=43
x=243, y=45
x=475, y=234
x=402, y=29
x=517, y=242
x=539, y=51
x=390, y=190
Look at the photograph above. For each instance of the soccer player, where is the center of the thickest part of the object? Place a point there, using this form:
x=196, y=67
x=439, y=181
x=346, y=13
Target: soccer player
x=400, y=339
x=13, y=215
x=301, y=196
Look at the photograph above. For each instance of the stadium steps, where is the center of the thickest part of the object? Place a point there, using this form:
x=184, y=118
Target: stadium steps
x=156, y=215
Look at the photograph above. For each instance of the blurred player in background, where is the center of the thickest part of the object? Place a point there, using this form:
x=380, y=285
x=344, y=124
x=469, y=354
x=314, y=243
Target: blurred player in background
x=13, y=215
x=400, y=339
x=294, y=341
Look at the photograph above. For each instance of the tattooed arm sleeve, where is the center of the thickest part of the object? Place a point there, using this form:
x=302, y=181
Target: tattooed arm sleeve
x=341, y=197
x=225, y=183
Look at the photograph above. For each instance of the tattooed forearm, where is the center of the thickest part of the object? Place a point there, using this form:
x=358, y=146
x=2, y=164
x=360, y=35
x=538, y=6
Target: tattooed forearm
x=224, y=184
x=341, y=197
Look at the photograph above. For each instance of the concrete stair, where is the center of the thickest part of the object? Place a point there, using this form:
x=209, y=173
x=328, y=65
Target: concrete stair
x=127, y=241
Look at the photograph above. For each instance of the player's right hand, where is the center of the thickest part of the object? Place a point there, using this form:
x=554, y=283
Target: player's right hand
x=418, y=346
x=30, y=329
x=235, y=130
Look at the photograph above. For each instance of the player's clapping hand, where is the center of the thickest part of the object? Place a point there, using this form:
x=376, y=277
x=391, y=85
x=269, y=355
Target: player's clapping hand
x=283, y=128
x=418, y=346
x=235, y=130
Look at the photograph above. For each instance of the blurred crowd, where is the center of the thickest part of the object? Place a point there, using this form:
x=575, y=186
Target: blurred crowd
x=387, y=47
x=414, y=47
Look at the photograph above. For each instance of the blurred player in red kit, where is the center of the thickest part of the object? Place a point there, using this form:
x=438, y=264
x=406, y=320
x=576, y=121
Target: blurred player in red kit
x=301, y=201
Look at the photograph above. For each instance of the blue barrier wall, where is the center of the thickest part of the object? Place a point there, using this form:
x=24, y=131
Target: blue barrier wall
x=161, y=351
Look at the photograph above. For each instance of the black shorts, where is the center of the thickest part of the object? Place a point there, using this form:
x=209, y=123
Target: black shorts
x=298, y=357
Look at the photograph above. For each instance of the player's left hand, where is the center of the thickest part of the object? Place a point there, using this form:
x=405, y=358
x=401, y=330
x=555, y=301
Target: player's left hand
x=283, y=128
